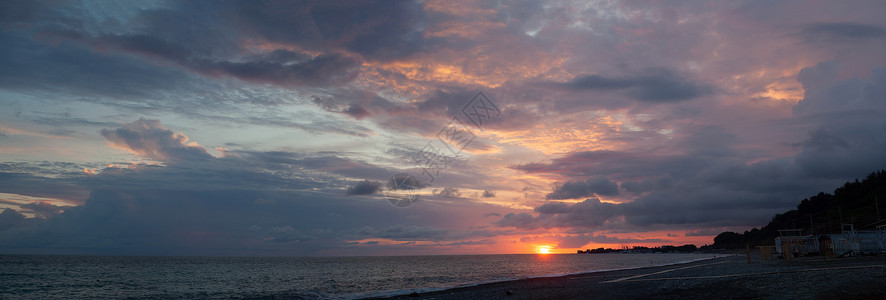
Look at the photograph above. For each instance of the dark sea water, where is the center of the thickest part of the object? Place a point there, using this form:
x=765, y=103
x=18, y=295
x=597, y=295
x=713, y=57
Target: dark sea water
x=40, y=277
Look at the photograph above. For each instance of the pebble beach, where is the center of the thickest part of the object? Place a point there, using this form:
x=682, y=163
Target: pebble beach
x=729, y=277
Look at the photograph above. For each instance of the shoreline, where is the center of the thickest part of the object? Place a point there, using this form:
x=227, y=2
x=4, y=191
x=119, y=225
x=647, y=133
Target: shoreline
x=393, y=294
x=728, y=277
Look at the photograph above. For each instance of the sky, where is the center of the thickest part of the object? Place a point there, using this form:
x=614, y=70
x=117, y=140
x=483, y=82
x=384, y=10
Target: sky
x=327, y=128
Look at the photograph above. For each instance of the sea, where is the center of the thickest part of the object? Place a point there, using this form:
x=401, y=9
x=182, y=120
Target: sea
x=93, y=277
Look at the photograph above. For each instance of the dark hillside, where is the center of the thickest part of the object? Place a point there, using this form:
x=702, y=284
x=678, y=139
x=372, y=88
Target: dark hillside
x=853, y=203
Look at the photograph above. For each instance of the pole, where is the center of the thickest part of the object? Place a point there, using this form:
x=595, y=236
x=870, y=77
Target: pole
x=748, y=251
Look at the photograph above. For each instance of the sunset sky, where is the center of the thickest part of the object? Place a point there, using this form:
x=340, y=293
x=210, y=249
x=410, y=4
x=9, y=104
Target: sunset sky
x=274, y=127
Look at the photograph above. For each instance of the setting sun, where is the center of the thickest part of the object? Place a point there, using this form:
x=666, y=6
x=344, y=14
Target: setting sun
x=544, y=249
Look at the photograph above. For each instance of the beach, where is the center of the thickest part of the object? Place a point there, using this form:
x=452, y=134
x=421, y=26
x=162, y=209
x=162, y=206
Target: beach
x=729, y=277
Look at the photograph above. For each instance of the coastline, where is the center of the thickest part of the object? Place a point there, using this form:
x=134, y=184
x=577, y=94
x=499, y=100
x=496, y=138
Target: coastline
x=405, y=292
x=728, y=277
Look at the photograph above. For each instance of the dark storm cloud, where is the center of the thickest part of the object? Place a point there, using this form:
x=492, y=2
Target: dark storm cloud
x=661, y=86
x=842, y=31
x=588, y=188
x=365, y=187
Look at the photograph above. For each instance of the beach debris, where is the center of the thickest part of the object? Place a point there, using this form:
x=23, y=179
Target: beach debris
x=509, y=292
x=414, y=294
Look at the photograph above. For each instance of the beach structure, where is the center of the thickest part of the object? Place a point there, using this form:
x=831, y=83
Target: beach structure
x=848, y=242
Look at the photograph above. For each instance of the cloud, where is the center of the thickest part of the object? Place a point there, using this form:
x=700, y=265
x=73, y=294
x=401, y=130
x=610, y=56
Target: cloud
x=407, y=232
x=651, y=184
x=846, y=113
x=580, y=240
x=242, y=202
x=41, y=209
x=29, y=65
x=660, y=86
x=579, y=189
x=842, y=31
x=10, y=218
x=18, y=179
x=449, y=192
x=150, y=139
x=282, y=67
x=381, y=31
x=705, y=232
x=588, y=214
x=353, y=110
x=364, y=187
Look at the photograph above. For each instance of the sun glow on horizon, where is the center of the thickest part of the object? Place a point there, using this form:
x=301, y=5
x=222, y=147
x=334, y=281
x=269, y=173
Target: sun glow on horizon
x=544, y=249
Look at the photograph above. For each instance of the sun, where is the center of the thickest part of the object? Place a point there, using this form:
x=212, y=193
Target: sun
x=544, y=249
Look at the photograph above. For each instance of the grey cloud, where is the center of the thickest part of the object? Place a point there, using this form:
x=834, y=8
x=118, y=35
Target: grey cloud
x=651, y=184
x=448, y=192
x=19, y=180
x=354, y=110
x=31, y=66
x=519, y=220
x=161, y=220
x=704, y=232
x=384, y=31
x=207, y=37
x=588, y=214
x=825, y=92
x=406, y=232
x=841, y=31
x=365, y=187
x=10, y=218
x=848, y=129
x=579, y=240
x=149, y=138
x=41, y=209
x=659, y=87
x=239, y=203
x=376, y=31
x=588, y=188
x=280, y=67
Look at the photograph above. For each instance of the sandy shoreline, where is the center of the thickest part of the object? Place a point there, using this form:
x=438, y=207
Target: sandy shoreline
x=722, y=278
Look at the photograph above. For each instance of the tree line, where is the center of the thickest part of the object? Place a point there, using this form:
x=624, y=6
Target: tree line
x=856, y=202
